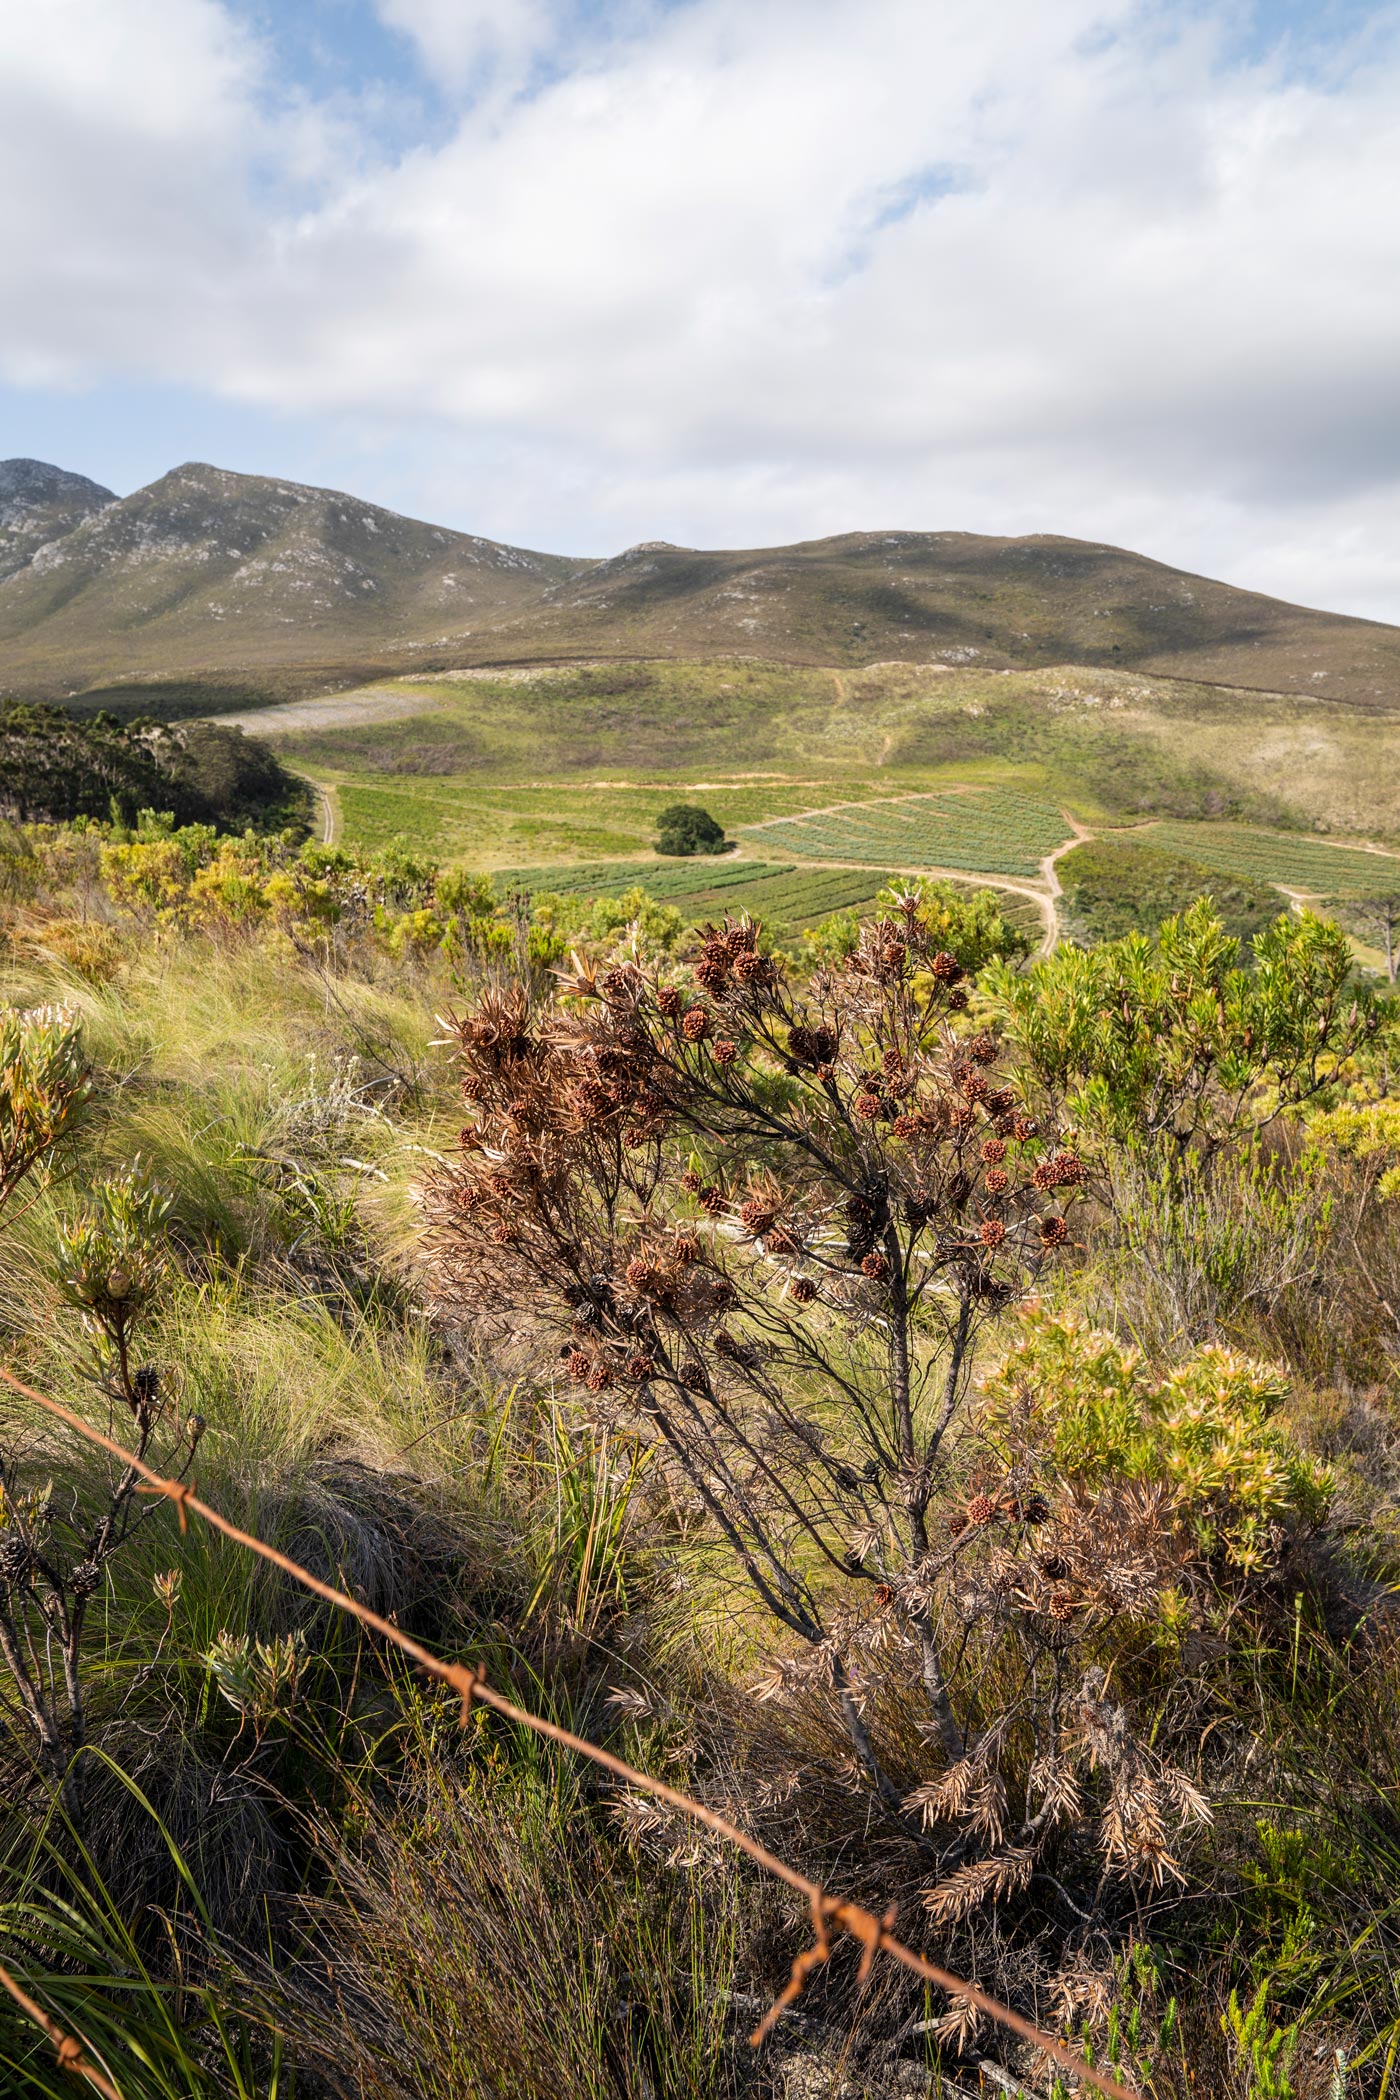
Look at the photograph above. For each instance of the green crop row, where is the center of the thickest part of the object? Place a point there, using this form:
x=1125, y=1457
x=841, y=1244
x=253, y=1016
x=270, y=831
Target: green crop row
x=998, y=833
x=665, y=880
x=1297, y=862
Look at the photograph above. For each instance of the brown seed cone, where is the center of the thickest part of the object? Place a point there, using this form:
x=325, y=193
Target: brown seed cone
x=996, y=1181
x=994, y=1152
x=957, y=1524
x=876, y=1267
x=1053, y=1232
x=867, y=1106
x=668, y=1000
x=725, y=1052
x=945, y=967
x=804, y=1290
x=992, y=1232
x=696, y=1025
x=640, y=1367
x=981, y=1510
x=906, y=1126
x=1063, y=1605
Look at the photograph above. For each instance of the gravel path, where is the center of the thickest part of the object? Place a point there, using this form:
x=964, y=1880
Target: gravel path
x=375, y=703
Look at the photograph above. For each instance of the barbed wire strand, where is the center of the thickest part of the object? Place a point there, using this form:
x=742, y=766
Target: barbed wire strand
x=874, y=1934
x=70, y=2053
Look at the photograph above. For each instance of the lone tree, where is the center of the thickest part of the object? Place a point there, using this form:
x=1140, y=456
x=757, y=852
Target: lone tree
x=764, y=1228
x=685, y=828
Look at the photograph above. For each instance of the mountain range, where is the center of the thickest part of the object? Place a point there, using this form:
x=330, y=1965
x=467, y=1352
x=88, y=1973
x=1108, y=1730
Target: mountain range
x=209, y=584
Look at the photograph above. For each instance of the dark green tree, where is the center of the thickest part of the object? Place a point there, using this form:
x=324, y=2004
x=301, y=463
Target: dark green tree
x=685, y=828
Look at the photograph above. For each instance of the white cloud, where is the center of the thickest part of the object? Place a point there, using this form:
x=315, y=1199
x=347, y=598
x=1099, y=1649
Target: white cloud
x=458, y=38
x=750, y=269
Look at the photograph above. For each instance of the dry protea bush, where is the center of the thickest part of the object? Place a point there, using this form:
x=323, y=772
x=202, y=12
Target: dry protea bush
x=763, y=1227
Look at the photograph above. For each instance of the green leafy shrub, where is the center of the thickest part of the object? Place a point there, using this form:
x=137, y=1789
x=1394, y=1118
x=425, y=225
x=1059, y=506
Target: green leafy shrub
x=1170, y=1044
x=1205, y=1429
x=43, y=1085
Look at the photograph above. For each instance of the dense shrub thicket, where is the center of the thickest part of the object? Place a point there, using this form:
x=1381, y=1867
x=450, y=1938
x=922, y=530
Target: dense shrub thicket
x=939, y=1406
x=55, y=766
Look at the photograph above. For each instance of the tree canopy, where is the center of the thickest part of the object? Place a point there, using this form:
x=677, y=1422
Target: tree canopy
x=686, y=828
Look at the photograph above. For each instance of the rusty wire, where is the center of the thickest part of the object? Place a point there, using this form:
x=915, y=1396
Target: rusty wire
x=874, y=1934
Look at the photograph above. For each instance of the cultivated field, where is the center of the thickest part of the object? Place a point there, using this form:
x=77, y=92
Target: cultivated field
x=995, y=832
x=1294, y=863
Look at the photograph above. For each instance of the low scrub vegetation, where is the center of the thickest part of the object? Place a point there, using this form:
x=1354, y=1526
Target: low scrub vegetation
x=936, y=1407
x=1117, y=886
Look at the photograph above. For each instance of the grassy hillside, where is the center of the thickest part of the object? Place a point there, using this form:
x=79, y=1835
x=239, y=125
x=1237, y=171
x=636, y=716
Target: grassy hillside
x=562, y=771
x=1114, y=746
x=1164, y=1535
x=957, y=599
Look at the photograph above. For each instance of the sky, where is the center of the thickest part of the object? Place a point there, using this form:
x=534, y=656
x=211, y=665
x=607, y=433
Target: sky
x=577, y=273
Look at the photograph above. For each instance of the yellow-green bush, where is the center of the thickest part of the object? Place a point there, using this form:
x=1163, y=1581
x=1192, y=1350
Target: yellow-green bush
x=1096, y=1412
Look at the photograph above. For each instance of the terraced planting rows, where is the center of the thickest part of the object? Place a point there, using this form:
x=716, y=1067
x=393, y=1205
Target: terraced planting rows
x=1299, y=863
x=666, y=881
x=792, y=901
x=993, y=832
x=786, y=899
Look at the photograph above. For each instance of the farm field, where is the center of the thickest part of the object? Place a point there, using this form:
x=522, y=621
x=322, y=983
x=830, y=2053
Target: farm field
x=1297, y=863
x=786, y=900
x=665, y=880
x=519, y=824
x=993, y=832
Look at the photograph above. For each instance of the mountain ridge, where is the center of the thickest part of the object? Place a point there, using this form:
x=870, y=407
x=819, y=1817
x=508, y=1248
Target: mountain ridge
x=210, y=575
x=40, y=503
